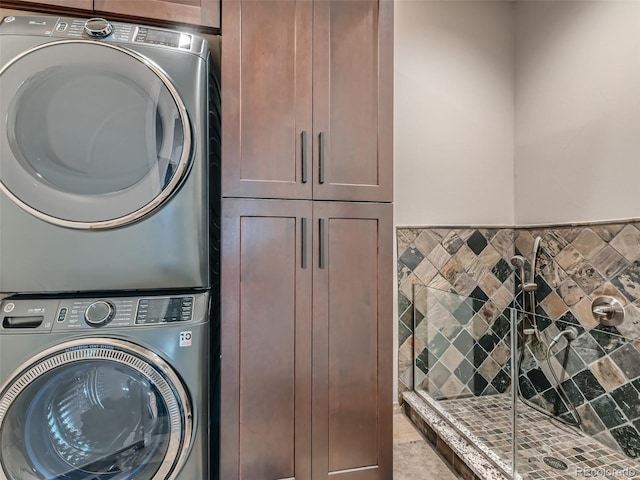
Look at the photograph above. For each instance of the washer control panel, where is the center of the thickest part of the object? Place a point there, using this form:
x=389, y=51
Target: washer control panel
x=42, y=316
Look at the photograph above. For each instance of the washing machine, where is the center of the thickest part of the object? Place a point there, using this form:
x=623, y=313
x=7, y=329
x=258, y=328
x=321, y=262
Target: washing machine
x=109, y=147
x=104, y=388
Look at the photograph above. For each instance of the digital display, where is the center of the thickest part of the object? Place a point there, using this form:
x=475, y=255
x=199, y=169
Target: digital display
x=163, y=37
x=158, y=310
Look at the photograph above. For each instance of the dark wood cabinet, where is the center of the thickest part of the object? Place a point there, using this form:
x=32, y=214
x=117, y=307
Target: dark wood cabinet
x=266, y=340
x=306, y=340
x=49, y=4
x=308, y=100
x=205, y=13
x=352, y=341
x=202, y=13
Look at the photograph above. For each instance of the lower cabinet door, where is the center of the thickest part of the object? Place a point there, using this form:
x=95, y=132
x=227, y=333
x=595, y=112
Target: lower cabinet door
x=266, y=340
x=306, y=340
x=352, y=341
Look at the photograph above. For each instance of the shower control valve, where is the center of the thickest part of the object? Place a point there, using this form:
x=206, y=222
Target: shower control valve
x=607, y=310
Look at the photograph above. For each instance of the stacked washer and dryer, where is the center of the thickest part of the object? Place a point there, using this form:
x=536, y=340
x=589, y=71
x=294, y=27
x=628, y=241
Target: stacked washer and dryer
x=109, y=197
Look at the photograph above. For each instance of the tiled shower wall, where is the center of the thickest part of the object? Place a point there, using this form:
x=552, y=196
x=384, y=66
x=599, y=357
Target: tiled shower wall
x=462, y=342
x=466, y=351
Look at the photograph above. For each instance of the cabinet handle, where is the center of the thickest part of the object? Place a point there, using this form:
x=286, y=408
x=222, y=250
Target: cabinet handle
x=321, y=260
x=303, y=239
x=321, y=177
x=304, y=156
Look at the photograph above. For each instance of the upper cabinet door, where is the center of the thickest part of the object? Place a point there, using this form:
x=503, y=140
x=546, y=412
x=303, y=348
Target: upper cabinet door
x=267, y=98
x=197, y=12
x=77, y=4
x=353, y=100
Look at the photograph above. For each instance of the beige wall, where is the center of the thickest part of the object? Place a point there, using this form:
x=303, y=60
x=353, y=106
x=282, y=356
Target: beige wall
x=453, y=112
x=577, y=111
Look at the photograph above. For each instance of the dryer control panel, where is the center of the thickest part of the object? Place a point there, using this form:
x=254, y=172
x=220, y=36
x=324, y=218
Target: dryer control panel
x=43, y=316
x=100, y=29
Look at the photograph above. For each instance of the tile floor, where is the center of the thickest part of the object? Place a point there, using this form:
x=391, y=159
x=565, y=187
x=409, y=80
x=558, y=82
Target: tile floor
x=413, y=457
x=487, y=419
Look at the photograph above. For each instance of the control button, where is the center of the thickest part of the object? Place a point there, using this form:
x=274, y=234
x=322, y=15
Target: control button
x=62, y=314
x=62, y=26
x=98, y=28
x=99, y=313
x=9, y=19
x=8, y=308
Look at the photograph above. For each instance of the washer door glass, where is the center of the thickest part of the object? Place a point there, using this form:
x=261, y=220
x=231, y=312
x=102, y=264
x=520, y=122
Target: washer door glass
x=94, y=134
x=86, y=415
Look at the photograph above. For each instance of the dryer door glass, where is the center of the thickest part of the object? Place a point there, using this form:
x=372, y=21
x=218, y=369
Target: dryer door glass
x=96, y=135
x=109, y=415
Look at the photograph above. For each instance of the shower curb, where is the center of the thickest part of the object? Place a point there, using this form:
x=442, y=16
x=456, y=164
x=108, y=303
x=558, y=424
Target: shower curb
x=466, y=459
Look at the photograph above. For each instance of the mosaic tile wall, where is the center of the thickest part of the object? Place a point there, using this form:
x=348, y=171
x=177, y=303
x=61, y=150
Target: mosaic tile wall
x=462, y=320
x=600, y=370
x=461, y=340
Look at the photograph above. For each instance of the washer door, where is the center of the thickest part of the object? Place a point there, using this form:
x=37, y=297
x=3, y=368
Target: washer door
x=93, y=135
x=94, y=408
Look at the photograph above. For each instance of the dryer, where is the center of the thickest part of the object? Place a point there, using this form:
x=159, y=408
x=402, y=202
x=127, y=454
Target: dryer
x=108, y=134
x=105, y=388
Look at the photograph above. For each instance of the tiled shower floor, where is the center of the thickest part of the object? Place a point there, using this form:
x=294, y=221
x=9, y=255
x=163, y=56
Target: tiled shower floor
x=488, y=419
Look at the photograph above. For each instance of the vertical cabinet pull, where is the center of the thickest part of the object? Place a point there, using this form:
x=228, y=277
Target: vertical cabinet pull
x=304, y=156
x=303, y=239
x=321, y=147
x=322, y=259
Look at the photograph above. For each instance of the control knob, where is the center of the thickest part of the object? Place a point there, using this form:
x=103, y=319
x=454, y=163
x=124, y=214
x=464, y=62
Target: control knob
x=99, y=313
x=98, y=28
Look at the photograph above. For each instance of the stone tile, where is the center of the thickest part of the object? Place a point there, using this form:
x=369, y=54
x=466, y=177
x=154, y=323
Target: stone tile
x=463, y=284
x=588, y=243
x=425, y=271
x=451, y=358
x=524, y=242
x=403, y=430
x=452, y=242
x=452, y=387
x=503, y=243
x=502, y=297
x=416, y=460
x=628, y=399
x=628, y=438
x=569, y=259
x=588, y=384
x=570, y=292
x=477, y=327
x=607, y=232
x=553, y=242
x=501, y=354
x=553, y=274
x=553, y=305
x=630, y=327
x=439, y=374
x=411, y=257
x=628, y=281
x=609, y=262
x=489, y=257
x=489, y=284
x=477, y=242
x=591, y=423
x=476, y=270
x=588, y=278
x=607, y=373
x=609, y=413
x=406, y=287
x=569, y=233
x=627, y=242
x=426, y=242
x=439, y=256
x=465, y=257
x=628, y=360
x=489, y=368
x=489, y=312
x=440, y=283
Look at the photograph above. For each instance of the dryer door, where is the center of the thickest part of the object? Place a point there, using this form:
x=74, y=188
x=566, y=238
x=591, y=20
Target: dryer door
x=93, y=135
x=94, y=408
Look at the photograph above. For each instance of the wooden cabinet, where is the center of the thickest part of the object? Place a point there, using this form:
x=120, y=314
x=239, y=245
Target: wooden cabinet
x=204, y=13
x=308, y=100
x=306, y=340
x=28, y=4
